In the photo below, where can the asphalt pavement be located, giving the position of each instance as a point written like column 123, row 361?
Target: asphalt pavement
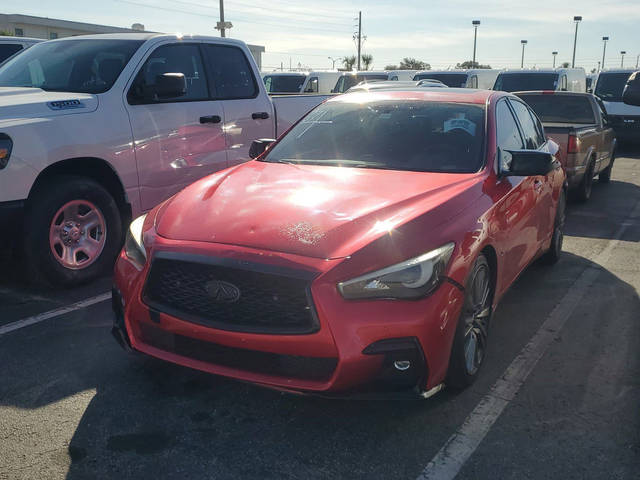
column 558, row 397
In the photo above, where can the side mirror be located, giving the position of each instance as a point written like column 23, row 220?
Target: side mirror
column 526, row 163
column 169, row 85
column 589, row 90
column 631, row 93
column 258, row 147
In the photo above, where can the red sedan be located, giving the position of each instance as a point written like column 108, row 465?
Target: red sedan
column 364, row 250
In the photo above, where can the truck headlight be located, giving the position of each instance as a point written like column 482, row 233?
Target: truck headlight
column 413, row 278
column 6, row 145
column 133, row 245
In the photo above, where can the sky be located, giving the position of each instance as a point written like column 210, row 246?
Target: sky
column 437, row 32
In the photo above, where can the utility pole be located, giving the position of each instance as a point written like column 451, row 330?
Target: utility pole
column 359, row 37
column 222, row 25
column 604, row 49
column 475, row 24
column 554, row 58
column 622, row 54
column 576, row 19
column 523, row 42
column 637, row 61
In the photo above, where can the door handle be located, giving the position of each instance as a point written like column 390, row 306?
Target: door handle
column 537, row 186
column 210, row 119
column 260, row 115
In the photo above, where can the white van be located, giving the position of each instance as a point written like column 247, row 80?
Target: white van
column 560, row 79
column 12, row 45
column 321, row 82
column 349, row 79
column 482, row 78
column 402, row 75
column 625, row 119
column 284, row 82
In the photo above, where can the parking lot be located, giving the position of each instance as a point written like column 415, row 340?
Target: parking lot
column 558, row 397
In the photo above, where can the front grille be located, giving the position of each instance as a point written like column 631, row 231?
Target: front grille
column 288, row 366
column 269, row 299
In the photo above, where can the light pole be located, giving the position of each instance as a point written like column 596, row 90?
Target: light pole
column 554, row 58
column 637, row 60
column 576, row 19
column 622, row 54
column 334, row 60
column 475, row 24
column 604, row 49
column 523, row 42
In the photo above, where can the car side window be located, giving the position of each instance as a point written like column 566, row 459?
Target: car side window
column 312, row 85
column 507, row 134
column 176, row 58
column 531, row 140
column 539, row 129
column 230, row 73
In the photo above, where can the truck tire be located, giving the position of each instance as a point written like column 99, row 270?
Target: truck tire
column 605, row 175
column 552, row 255
column 73, row 231
column 583, row 192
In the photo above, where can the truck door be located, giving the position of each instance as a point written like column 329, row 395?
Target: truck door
column 177, row 139
column 248, row 113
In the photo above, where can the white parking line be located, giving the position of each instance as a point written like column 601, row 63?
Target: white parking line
column 461, row 445
column 25, row 322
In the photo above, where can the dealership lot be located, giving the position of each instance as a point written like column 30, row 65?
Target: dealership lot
column 74, row 405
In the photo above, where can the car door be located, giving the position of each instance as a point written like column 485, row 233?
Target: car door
column 542, row 185
column 516, row 209
column 248, row 115
column 178, row 139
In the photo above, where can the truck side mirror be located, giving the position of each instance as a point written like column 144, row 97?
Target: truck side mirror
column 169, row 85
column 259, row 146
column 631, row 93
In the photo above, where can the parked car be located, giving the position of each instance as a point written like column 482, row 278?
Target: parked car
column 102, row 128
column 350, row 79
column 624, row 118
column 321, row 82
column 482, row 78
column 401, row 75
column 284, row 82
column 395, row 85
column 9, row 46
column 367, row 248
column 578, row 123
column 561, row 79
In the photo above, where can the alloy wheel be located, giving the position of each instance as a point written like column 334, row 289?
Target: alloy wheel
column 477, row 315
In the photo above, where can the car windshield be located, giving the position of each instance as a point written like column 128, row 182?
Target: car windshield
column 395, row 135
column 81, row 66
column 609, row 86
column 455, row 80
column 561, row 108
column 284, row 83
column 518, row 82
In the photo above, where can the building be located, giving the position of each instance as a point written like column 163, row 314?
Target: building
column 51, row 28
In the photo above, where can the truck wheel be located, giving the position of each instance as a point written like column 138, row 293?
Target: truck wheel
column 73, row 231
column 470, row 340
column 583, row 192
column 605, row 175
column 552, row 255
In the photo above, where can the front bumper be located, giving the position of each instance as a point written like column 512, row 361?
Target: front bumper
column 355, row 349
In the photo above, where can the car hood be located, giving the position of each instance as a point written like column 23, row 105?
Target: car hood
column 23, row 102
column 310, row 210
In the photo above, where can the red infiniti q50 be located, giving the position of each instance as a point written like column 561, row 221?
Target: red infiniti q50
column 365, row 250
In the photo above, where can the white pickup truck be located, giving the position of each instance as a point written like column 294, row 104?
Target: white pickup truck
column 96, row 129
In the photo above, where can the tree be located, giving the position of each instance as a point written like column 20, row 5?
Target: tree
column 391, row 67
column 566, row 64
column 471, row 64
column 349, row 62
column 409, row 63
column 5, row 33
column 367, row 60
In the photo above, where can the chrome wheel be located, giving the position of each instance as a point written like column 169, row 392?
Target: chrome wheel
column 77, row 234
column 476, row 318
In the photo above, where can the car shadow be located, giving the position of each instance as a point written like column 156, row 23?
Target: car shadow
column 151, row 419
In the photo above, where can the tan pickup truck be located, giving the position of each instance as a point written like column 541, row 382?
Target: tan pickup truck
column 578, row 123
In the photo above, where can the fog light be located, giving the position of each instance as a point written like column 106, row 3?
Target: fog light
column 402, row 365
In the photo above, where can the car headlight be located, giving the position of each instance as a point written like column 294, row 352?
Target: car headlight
column 133, row 245
column 413, row 278
column 6, row 145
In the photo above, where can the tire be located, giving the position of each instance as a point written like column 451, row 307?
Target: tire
column 605, row 175
column 473, row 327
column 583, row 192
column 73, row 231
column 552, row 255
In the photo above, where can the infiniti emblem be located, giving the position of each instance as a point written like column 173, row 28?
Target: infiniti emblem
column 222, row 292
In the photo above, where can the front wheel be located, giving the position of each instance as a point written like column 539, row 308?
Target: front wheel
column 470, row 341
column 73, row 231
column 555, row 249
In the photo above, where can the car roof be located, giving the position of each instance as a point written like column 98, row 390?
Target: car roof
column 455, row 95
column 148, row 36
column 9, row 39
column 553, row 92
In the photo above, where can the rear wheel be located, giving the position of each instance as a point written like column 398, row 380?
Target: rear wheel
column 470, row 341
column 553, row 254
column 73, row 231
column 583, row 192
column 605, row 175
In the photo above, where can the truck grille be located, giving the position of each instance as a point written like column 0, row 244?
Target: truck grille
column 231, row 295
